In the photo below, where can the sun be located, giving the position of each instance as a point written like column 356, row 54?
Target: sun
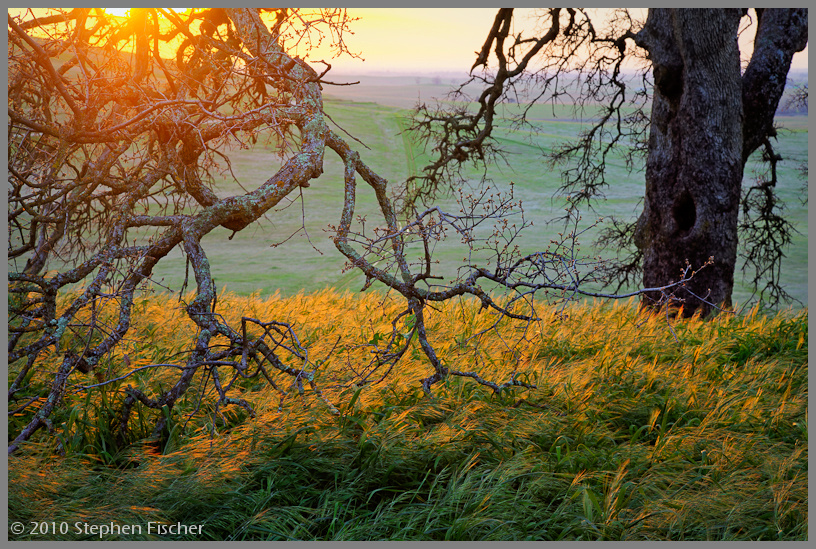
column 119, row 12
column 125, row 12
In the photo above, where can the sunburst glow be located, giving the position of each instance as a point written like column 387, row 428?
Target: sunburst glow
column 119, row 12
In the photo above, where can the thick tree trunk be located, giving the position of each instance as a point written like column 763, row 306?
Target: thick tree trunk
column 695, row 161
column 706, row 121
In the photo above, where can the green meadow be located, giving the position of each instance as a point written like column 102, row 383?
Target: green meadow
column 251, row 261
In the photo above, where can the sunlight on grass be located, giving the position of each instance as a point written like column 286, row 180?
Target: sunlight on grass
column 629, row 435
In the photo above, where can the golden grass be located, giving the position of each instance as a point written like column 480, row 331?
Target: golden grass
column 643, row 436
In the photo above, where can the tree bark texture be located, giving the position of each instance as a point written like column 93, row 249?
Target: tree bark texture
column 700, row 137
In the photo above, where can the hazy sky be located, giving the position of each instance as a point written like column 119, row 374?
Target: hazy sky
column 410, row 40
column 405, row 40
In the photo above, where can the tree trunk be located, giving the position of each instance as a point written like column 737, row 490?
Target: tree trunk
column 695, row 161
column 706, row 121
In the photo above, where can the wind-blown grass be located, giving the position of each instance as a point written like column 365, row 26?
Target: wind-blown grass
column 630, row 434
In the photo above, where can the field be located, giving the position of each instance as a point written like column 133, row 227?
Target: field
column 249, row 263
column 629, row 435
column 639, row 427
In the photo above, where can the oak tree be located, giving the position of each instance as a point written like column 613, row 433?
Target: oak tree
column 696, row 117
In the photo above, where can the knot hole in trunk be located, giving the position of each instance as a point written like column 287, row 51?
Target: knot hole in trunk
column 684, row 212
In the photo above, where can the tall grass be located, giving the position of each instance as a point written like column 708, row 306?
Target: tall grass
column 630, row 434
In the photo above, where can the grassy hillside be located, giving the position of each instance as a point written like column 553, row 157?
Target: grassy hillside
column 250, row 262
column 630, row 434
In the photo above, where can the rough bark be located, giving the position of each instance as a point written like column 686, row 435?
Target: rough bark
column 706, row 119
column 780, row 34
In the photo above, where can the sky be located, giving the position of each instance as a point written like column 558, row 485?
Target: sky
column 416, row 40
column 428, row 40
column 412, row 41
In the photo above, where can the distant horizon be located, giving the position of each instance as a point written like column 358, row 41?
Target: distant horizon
column 420, row 42
column 441, row 72
column 450, row 73
column 408, row 41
